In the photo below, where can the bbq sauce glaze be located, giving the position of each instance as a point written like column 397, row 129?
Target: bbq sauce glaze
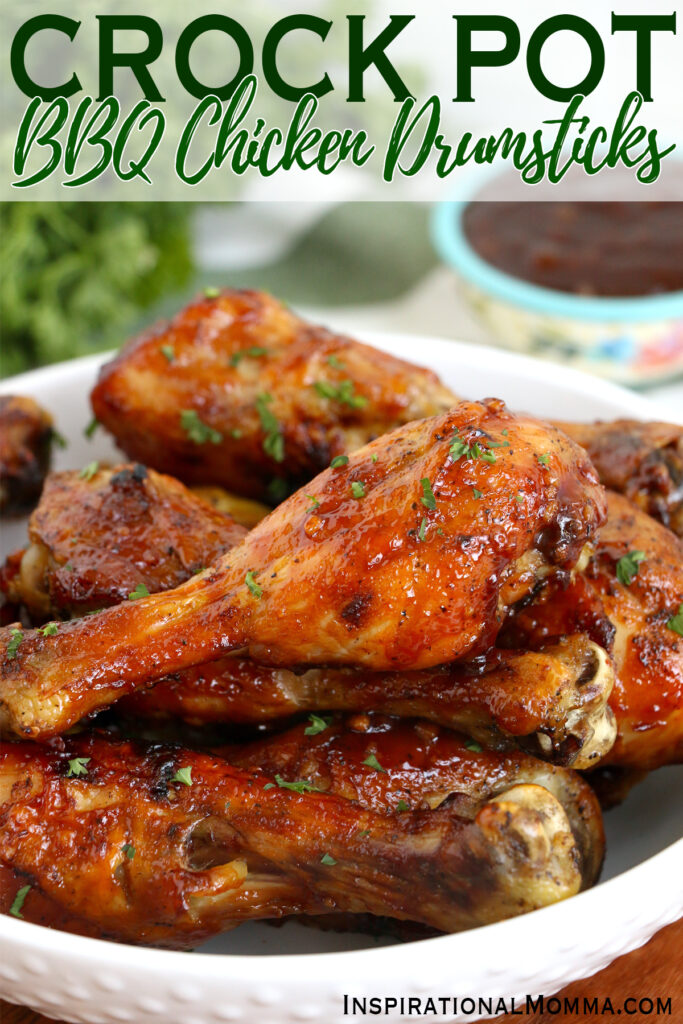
column 598, row 248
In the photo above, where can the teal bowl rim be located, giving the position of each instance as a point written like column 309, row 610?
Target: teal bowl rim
column 451, row 244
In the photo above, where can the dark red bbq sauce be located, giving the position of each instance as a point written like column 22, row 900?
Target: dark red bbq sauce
column 607, row 249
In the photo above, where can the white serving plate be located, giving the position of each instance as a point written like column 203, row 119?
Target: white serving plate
column 258, row 974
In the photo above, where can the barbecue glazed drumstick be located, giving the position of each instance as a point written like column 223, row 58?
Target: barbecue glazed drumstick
column 238, row 391
column 639, row 621
column 96, row 537
column 643, row 461
column 552, row 702
column 390, row 559
column 26, row 437
column 166, row 846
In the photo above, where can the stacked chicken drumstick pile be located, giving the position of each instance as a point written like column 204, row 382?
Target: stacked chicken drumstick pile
column 382, row 695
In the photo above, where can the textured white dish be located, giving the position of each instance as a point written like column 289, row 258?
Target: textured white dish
column 305, row 973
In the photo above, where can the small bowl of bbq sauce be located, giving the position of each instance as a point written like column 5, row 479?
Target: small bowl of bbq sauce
column 597, row 285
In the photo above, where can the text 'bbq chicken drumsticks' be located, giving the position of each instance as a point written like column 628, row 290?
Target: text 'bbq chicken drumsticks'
column 408, row 553
column 100, row 535
column 630, row 599
column 551, row 702
column 240, row 392
column 167, row 846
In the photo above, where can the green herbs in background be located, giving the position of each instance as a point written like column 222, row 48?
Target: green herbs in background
column 77, row 276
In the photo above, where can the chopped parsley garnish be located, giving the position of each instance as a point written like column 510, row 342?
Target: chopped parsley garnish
column 69, row 567
column 333, row 361
column 318, row 724
column 197, row 430
column 140, row 591
column 88, row 472
column 326, row 859
column 374, row 456
column 343, row 392
column 474, row 746
column 627, row 566
column 363, row 833
column 477, row 494
column 250, row 580
column 314, row 502
column 402, row 806
column 519, row 497
column 299, row 786
column 423, row 529
column 16, row 637
column 236, row 433
column 18, row 902
column 358, row 489
column 91, row 428
column 544, row 459
column 58, row 439
column 77, row 767
column 183, row 775
column 428, row 499
column 675, row 623
column 129, row 850
column 255, row 352
column 460, row 449
column 168, row 352
column 504, row 432
column 273, row 442
column 51, row 629
column 339, row 460
column 211, row 292
column 372, row 762
column 277, row 490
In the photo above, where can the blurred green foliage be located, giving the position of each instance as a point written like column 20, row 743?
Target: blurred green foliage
column 74, row 276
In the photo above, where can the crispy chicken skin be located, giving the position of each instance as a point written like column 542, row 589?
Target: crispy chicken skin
column 128, row 847
column 26, row 436
column 96, row 538
column 643, row 461
column 553, row 702
column 414, row 572
column 634, row 623
column 280, row 397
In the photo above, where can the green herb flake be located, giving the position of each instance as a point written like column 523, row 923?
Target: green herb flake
column 333, row 361
column 255, row 352
column 421, row 533
column 51, row 629
column 402, row 806
column 363, row 833
column 477, row 494
column 18, row 902
column 88, row 472
column 77, row 767
column 277, row 490
column 329, row 861
column 358, row 489
column 236, row 433
column 474, row 746
column 69, row 567
column 211, row 292
column 339, row 460
column 505, row 432
column 374, row 456
column 344, row 393
column 627, row 567
column 250, row 580
column 519, row 498
column 58, row 439
column 428, row 499
column 273, row 442
column 168, row 352
column 91, row 428
column 314, row 502
column 196, row 430
column 675, row 623
column 129, row 850
column 140, row 591
column 372, row 762
column 544, row 459
column 183, row 775
column 16, row 638
column 318, row 725
column 298, row 786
